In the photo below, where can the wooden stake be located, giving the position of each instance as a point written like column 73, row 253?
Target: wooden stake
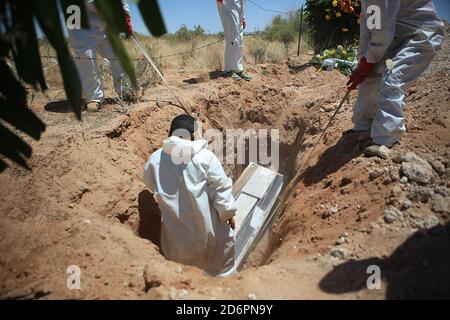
column 300, row 32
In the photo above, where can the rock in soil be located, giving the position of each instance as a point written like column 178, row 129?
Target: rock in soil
column 440, row 204
column 340, row 253
column 391, row 214
column 416, row 169
column 419, row 193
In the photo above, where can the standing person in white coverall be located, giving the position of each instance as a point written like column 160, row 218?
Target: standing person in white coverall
column 196, row 201
column 233, row 21
column 85, row 43
column 411, row 32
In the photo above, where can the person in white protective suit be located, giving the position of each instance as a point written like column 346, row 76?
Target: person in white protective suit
column 231, row 14
column 411, row 32
column 85, row 43
column 195, row 198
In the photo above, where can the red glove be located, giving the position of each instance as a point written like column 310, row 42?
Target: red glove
column 244, row 23
column 129, row 26
column 360, row 74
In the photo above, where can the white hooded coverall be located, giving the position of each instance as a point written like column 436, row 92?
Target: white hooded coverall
column 231, row 14
column 85, row 43
column 411, row 33
column 195, row 199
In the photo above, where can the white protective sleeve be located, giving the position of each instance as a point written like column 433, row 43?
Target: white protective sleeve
column 220, row 189
column 380, row 39
column 148, row 177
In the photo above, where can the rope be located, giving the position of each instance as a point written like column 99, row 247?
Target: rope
column 345, row 98
column 268, row 10
column 147, row 56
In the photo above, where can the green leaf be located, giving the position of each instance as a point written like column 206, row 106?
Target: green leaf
column 114, row 16
column 48, row 18
column 13, row 105
column 122, row 54
column 153, row 19
column 25, row 46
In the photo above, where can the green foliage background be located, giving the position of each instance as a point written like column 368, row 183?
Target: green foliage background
column 285, row 29
column 184, row 34
column 325, row 34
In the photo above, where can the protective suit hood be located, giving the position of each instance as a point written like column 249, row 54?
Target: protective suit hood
column 181, row 149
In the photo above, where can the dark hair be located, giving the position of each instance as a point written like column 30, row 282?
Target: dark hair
column 183, row 124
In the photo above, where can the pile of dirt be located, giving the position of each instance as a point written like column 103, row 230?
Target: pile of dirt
column 84, row 203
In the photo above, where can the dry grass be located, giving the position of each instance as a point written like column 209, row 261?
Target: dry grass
column 257, row 50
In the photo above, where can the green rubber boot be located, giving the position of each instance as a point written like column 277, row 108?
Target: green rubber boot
column 244, row 76
column 231, row 74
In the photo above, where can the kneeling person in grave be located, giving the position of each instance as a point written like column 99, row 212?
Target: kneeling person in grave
column 195, row 197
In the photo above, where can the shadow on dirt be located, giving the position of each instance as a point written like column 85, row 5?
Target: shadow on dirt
column 149, row 218
column 418, row 269
column 213, row 75
column 61, row 106
column 296, row 67
column 334, row 158
column 330, row 161
column 32, row 295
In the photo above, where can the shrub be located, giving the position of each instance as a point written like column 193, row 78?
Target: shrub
column 281, row 29
column 186, row 34
column 285, row 30
column 257, row 48
column 262, row 50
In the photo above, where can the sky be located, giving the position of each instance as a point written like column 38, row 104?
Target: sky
column 204, row 13
column 443, row 8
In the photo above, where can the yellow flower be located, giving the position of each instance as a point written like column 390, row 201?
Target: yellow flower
column 328, row 17
column 334, row 3
column 344, row 53
column 338, row 14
